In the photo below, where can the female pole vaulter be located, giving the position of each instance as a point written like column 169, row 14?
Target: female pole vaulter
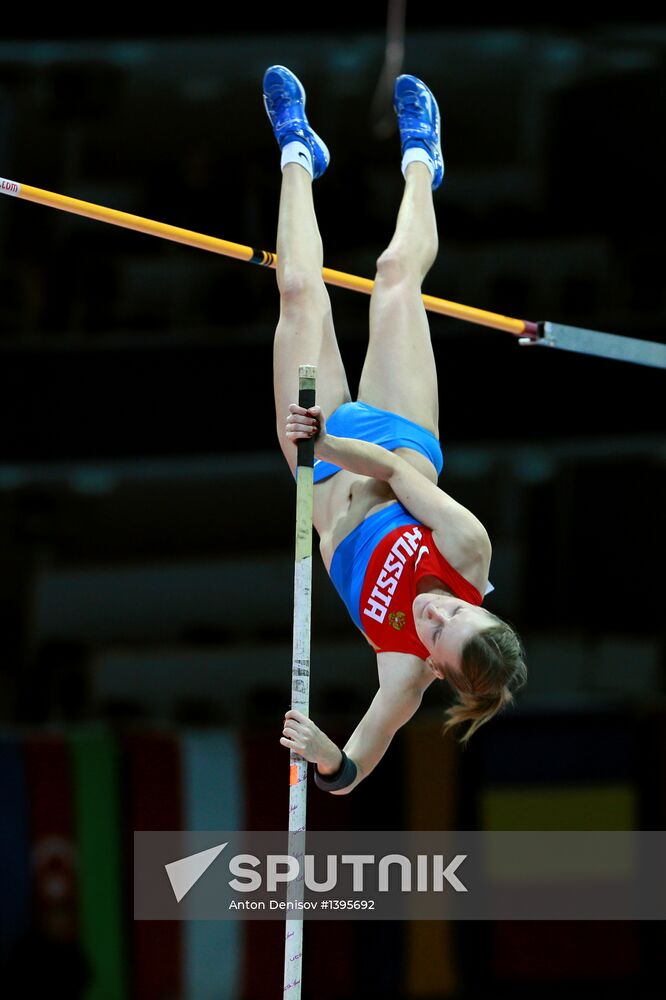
column 410, row 563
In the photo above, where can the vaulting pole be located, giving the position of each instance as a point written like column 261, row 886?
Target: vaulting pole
column 300, row 682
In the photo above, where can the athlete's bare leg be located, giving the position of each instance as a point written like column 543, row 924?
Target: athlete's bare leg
column 399, row 373
column 305, row 332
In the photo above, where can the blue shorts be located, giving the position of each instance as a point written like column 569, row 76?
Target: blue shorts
column 351, row 558
column 366, row 423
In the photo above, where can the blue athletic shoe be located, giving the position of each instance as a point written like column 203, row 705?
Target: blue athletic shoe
column 419, row 121
column 284, row 100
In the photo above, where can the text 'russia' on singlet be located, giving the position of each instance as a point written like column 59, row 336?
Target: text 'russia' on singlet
column 403, row 557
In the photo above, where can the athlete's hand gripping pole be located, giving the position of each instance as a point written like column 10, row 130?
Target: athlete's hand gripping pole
column 300, row 680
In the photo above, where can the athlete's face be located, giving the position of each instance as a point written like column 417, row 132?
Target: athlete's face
column 444, row 623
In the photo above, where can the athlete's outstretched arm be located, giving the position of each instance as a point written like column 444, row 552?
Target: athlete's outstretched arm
column 390, row 709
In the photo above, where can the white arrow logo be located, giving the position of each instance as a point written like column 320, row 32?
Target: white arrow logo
column 185, row 872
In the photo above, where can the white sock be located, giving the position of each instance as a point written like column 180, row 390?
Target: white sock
column 297, row 152
column 417, row 154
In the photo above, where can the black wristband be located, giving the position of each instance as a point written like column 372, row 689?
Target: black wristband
column 344, row 776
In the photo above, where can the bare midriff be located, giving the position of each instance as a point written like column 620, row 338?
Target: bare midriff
column 346, row 499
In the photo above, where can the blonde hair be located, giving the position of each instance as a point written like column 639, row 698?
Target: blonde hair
column 492, row 668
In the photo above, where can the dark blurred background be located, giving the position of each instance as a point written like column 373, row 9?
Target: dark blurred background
column 147, row 532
